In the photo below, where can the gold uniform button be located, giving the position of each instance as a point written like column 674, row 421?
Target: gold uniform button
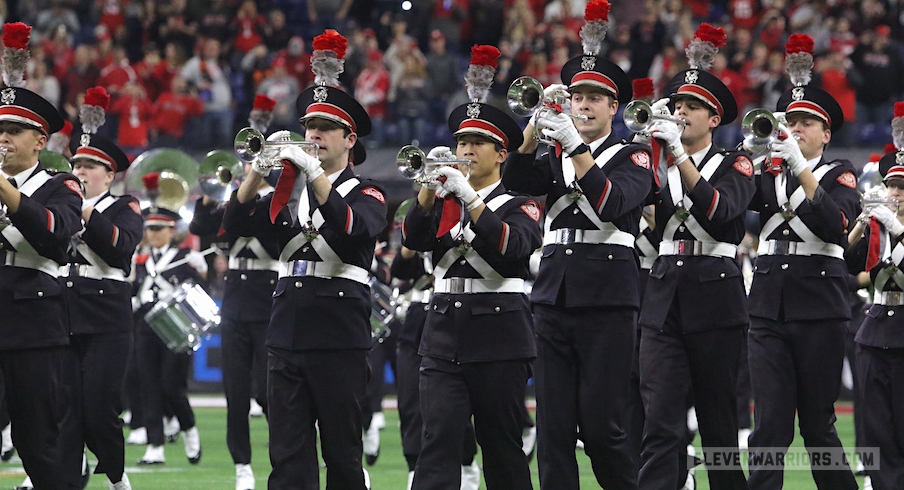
column 298, row 284
column 497, row 309
column 68, row 284
column 272, row 281
column 679, row 263
column 569, row 251
column 243, row 277
column 40, row 294
column 786, row 232
column 458, row 304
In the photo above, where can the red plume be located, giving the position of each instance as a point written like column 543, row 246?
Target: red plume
column 97, row 96
column 799, row 43
column 264, row 103
column 875, row 157
column 331, row 40
column 485, row 55
column 707, row 33
column 899, row 109
column 890, row 148
column 642, row 87
column 597, row 10
column 67, row 129
column 16, row 35
column 151, row 181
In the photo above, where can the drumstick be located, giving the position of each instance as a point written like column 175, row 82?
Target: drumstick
column 184, row 260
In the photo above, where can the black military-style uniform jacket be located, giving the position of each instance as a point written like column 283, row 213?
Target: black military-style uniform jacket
column 796, row 287
column 149, row 290
column 710, row 289
column 30, row 299
column 101, row 303
column 882, row 324
column 487, row 326
column 248, row 294
column 311, row 313
column 616, row 192
column 411, row 271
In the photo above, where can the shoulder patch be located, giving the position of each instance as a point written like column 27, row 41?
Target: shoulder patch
column 135, row 207
column 531, row 209
column 75, row 187
column 641, row 159
column 374, row 193
column 743, row 165
column 847, row 179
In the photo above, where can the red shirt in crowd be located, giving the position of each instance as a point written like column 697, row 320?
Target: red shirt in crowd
column 835, row 82
column 248, row 32
column 134, row 114
column 172, row 111
column 116, row 75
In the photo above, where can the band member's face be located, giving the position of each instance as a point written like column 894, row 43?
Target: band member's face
column 698, row 119
column 485, row 160
column 331, row 137
column 896, row 192
column 811, row 134
column 22, row 145
column 598, row 106
column 159, row 236
column 95, row 177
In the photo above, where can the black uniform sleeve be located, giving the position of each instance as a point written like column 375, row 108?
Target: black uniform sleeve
column 622, row 189
column 49, row 227
column 248, row 219
column 528, row 175
column 855, row 257
column 361, row 214
column 207, row 219
column 117, row 236
column 512, row 235
column 406, row 269
column 729, row 197
column 419, row 228
column 832, row 211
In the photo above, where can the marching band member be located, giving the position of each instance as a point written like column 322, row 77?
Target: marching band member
column 326, row 225
column 244, row 316
column 163, row 373
column 98, row 298
column 586, row 329
column 798, row 301
column 477, row 341
column 42, row 213
column 694, row 311
column 880, row 345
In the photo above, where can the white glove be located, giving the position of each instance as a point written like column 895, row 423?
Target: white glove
column 788, row 150
column 196, row 260
column 550, row 92
column 256, row 166
column 306, row 163
column 661, row 107
column 559, row 127
column 283, row 135
column 889, row 219
column 456, row 183
column 670, row 134
column 440, row 152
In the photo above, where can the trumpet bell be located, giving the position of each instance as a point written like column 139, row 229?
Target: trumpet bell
column 249, row 144
column 219, row 174
column 759, row 128
column 638, row 115
column 525, row 96
column 410, row 161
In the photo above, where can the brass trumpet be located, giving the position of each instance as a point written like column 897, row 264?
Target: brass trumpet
column 639, row 116
column 250, row 145
column 414, row 164
column 760, row 128
column 525, row 97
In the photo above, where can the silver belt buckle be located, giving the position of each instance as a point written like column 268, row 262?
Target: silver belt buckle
column 458, row 285
column 685, row 247
column 566, row 236
column 302, row 268
column 893, row 298
column 784, row 247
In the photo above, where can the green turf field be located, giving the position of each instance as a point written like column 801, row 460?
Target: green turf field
column 216, row 470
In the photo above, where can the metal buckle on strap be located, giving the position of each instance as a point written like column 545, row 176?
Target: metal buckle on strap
column 301, row 267
column 91, row 272
column 252, row 264
column 468, row 285
column 889, row 298
column 781, row 247
column 687, row 247
column 568, row 236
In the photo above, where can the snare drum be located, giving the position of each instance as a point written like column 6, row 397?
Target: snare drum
column 382, row 309
column 183, row 316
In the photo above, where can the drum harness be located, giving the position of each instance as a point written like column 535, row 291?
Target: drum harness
column 811, row 244
column 24, row 254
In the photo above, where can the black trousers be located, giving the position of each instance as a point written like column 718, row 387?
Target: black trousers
column 164, row 381
column 94, row 375
column 34, row 396
column 582, row 374
column 326, row 387
column 244, row 366
column 796, row 365
column 881, row 387
column 493, row 392
column 670, row 362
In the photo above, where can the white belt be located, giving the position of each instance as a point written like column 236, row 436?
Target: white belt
column 647, row 262
column 888, row 298
column 787, row 247
column 567, row 236
column 31, row 261
column 420, row 296
column 697, row 247
column 252, row 264
column 467, row 285
column 91, row 272
column 326, row 270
